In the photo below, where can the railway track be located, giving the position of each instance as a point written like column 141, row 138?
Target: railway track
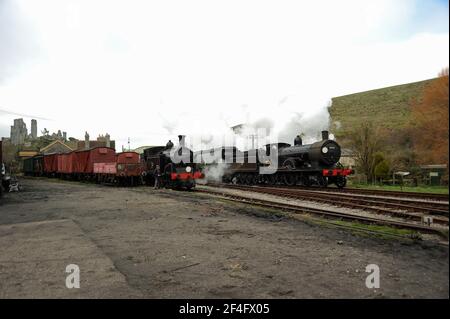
column 429, row 196
column 361, row 191
column 377, row 192
column 328, row 213
column 386, row 206
column 402, row 207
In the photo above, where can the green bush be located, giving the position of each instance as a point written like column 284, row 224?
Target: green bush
column 382, row 169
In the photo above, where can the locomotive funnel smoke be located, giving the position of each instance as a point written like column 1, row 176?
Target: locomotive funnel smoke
column 307, row 124
column 293, row 115
column 214, row 173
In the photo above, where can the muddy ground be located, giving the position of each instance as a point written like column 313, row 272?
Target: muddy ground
column 140, row 242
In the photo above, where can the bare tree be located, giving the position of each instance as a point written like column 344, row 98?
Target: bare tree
column 365, row 142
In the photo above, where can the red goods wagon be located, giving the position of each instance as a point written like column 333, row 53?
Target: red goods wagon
column 129, row 164
column 129, row 168
column 84, row 160
column 105, row 168
column 66, row 163
column 50, row 164
column 128, row 158
column 80, row 161
column 60, row 163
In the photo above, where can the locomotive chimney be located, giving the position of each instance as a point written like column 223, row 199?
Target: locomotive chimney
column 298, row 141
column 181, row 139
column 325, row 135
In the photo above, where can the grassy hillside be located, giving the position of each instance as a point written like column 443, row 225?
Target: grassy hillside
column 387, row 107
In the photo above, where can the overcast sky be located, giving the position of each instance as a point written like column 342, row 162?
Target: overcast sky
column 149, row 70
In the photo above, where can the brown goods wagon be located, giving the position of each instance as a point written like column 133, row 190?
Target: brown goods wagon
column 105, row 168
column 66, row 163
column 128, row 158
column 129, row 164
column 50, row 163
column 84, row 160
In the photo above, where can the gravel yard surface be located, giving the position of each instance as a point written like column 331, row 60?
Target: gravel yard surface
column 140, row 242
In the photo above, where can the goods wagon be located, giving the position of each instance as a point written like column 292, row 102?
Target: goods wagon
column 50, row 164
column 129, row 168
column 66, row 164
column 38, row 165
column 28, row 166
column 84, row 160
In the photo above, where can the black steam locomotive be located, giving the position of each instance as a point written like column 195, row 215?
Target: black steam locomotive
column 300, row 164
column 172, row 165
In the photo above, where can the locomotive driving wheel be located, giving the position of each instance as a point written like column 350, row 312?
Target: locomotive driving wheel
column 322, row 181
column 289, row 179
column 249, row 179
column 341, row 181
column 272, row 179
column 165, row 180
column 306, row 181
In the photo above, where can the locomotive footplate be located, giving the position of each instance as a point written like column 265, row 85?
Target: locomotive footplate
column 186, row 176
column 337, row 172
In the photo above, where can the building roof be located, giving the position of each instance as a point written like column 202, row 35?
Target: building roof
column 93, row 148
column 28, row 153
column 93, row 144
column 58, row 146
column 434, row 166
column 141, row 149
